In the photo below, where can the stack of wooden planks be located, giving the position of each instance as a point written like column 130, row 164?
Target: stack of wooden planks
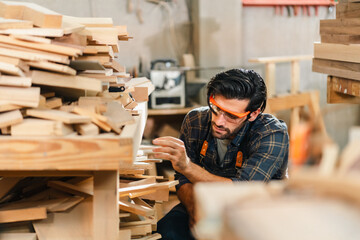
column 60, row 78
column 338, row 53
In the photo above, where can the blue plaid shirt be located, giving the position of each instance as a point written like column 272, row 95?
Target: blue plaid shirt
column 264, row 144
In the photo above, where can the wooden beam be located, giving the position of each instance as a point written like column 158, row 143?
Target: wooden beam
column 20, row 215
column 10, row 118
column 28, row 97
column 58, row 115
column 59, row 80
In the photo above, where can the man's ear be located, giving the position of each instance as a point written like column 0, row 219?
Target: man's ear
column 253, row 115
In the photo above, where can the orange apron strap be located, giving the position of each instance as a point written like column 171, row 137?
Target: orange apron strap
column 204, row 148
column 239, row 159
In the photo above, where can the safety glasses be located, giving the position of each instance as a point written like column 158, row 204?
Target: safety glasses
column 229, row 115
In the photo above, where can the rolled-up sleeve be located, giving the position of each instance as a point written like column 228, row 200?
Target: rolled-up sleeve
column 268, row 154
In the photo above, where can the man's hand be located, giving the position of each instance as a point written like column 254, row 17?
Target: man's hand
column 172, row 149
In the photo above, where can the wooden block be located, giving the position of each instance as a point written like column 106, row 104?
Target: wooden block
column 70, row 188
column 40, row 127
column 337, row 68
column 52, row 67
column 18, row 236
column 102, row 35
column 54, row 102
column 10, row 118
column 14, row 23
column 33, row 55
column 20, row 215
column 339, row 52
column 41, row 46
column 11, row 69
column 99, row 48
column 116, row 66
column 336, row 97
column 15, row 81
column 40, row 32
column 58, row 80
column 58, row 115
column 87, row 129
column 28, row 97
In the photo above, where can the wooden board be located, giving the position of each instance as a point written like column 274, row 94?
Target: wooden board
column 54, row 102
column 20, row 215
column 346, row 86
column 337, row 68
column 73, row 153
column 40, row 127
column 11, row 69
column 137, row 209
column 15, row 61
column 81, row 65
column 70, row 188
column 58, row 115
column 15, row 81
column 117, row 116
column 6, row 184
column 88, row 129
column 102, row 59
column 18, row 236
column 340, row 38
column 28, row 97
column 52, row 67
column 10, row 118
column 14, row 23
column 102, row 35
column 90, row 22
column 41, row 46
column 41, row 32
column 59, row 80
column 98, row 119
column 32, row 38
column 339, row 52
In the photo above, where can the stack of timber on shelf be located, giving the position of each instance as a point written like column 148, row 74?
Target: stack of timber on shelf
column 71, row 122
column 338, row 53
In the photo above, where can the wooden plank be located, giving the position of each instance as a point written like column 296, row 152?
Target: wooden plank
column 90, row 22
column 106, row 208
column 81, row 65
column 40, row 32
column 15, row 61
column 340, row 38
column 19, row 215
column 337, row 68
column 28, row 97
column 286, row 102
column 65, row 225
column 11, row 69
column 102, row 59
column 41, row 46
column 59, row 80
column 10, row 118
column 336, row 97
column 102, row 35
column 32, row 38
column 6, row 106
column 18, row 236
column 66, row 205
column 58, row 115
column 54, row 102
column 88, row 129
column 137, row 209
column 14, row 23
column 339, row 52
column 280, row 59
column 15, row 81
column 65, row 153
column 40, row 127
column 52, row 67
column 98, row 119
column 33, row 55
column 69, row 188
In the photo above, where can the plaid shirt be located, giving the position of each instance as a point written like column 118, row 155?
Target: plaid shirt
column 264, row 144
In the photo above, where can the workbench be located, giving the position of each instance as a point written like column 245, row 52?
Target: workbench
column 101, row 157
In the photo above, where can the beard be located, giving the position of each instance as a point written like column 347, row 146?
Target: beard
column 228, row 134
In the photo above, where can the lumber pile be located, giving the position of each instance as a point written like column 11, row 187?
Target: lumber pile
column 60, row 78
column 338, row 53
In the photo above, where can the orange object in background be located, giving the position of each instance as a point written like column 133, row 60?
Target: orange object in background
column 299, row 143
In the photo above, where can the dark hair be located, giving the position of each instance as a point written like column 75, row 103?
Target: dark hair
column 239, row 84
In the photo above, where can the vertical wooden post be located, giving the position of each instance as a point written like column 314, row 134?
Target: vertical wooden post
column 106, row 205
column 295, row 82
column 270, row 69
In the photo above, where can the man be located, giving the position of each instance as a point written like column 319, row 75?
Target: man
column 230, row 140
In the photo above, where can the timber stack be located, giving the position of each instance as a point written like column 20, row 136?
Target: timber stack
column 60, row 78
column 338, row 53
